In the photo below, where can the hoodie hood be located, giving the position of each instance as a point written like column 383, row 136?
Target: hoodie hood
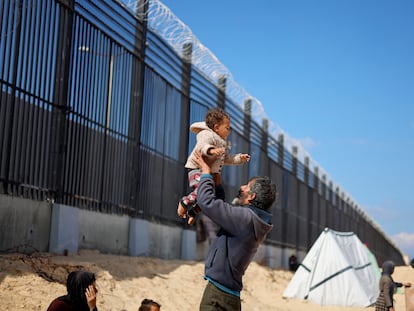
column 264, row 215
column 197, row 127
column 262, row 226
column 388, row 267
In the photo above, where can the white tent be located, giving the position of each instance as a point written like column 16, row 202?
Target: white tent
column 338, row 271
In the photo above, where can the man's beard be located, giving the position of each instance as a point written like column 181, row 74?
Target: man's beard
column 236, row 200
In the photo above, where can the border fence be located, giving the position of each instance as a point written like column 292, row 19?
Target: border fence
column 95, row 111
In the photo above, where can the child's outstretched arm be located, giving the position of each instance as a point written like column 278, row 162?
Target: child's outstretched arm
column 237, row 159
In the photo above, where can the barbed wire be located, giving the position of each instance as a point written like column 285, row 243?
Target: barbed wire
column 162, row 21
column 168, row 26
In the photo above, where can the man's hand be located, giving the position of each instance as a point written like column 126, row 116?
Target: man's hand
column 216, row 151
column 182, row 213
column 201, row 162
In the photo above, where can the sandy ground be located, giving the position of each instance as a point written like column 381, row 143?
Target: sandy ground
column 32, row 282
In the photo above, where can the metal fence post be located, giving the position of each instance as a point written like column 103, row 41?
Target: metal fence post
column 58, row 135
column 295, row 161
column 221, row 96
column 247, row 118
column 187, row 52
column 265, row 135
column 309, row 198
column 8, row 126
column 136, row 103
column 297, row 192
column 280, row 150
column 329, row 211
column 185, row 98
column 316, row 208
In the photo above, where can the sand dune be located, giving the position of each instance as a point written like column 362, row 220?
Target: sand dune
column 32, row 282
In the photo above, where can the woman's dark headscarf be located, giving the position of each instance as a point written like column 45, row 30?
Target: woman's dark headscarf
column 388, row 267
column 76, row 285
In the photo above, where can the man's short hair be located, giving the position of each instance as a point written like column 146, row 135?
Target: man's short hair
column 265, row 192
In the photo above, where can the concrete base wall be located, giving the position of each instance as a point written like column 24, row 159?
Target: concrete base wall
column 188, row 245
column 64, row 229
column 113, row 234
column 167, row 242
column 139, row 238
column 24, row 224
column 27, row 226
column 105, row 232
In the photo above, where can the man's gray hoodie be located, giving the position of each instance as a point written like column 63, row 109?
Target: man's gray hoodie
column 242, row 231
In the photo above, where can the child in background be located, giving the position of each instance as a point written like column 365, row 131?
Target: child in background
column 149, row 305
column 211, row 142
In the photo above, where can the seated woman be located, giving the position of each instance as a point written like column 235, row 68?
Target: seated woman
column 81, row 296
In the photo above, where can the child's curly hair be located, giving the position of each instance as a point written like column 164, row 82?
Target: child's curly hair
column 215, row 116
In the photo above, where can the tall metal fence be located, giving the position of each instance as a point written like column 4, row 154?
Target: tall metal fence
column 95, row 111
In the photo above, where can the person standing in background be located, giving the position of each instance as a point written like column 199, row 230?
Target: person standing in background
column 387, row 286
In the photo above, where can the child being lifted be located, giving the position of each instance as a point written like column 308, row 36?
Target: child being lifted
column 211, row 142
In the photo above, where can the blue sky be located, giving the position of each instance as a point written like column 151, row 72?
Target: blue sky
column 336, row 75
